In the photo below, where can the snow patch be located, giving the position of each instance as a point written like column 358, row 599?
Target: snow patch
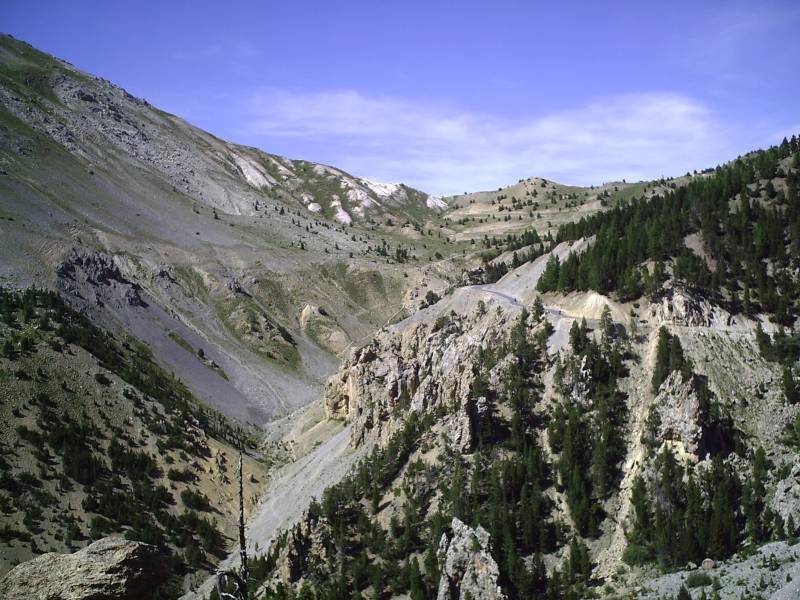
column 306, row 198
column 314, row 207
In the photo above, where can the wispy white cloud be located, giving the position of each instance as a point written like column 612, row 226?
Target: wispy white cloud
column 446, row 150
column 741, row 42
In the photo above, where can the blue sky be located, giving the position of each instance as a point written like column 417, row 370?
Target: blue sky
column 452, row 96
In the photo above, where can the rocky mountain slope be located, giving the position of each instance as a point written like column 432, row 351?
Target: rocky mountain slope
column 226, row 245
column 597, row 439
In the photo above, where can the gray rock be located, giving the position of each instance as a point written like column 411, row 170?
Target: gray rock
column 575, row 379
column 416, row 367
column 678, row 408
column 133, row 297
column 677, row 306
column 108, row 568
column 772, row 571
column 474, row 276
column 468, row 569
column 786, row 500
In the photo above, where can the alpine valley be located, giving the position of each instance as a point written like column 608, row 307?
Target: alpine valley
column 541, row 391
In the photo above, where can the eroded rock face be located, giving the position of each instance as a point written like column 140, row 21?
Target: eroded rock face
column 786, row 501
column 95, row 266
column 110, row 568
column 678, row 306
column 295, row 553
column 678, row 409
column 320, row 326
column 417, row 368
column 474, row 276
column 97, row 278
column 468, row 569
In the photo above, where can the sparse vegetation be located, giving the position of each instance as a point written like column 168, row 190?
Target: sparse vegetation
column 90, row 451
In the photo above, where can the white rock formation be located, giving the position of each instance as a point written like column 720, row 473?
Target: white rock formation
column 468, row 569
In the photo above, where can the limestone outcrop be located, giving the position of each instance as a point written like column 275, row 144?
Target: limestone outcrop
column 678, row 410
column 679, row 307
column 467, row 567
column 417, row 367
column 786, row 501
column 110, row 568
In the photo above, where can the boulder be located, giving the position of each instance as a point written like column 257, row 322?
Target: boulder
column 110, row 568
column 468, row 569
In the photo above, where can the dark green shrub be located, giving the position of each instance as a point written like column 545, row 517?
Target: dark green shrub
column 698, row 579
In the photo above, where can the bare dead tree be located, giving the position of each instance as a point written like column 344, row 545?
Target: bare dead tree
column 239, row 580
column 242, row 541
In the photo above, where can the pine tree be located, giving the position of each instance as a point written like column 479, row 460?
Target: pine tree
column 538, row 308
column 607, row 323
column 661, row 369
column 639, row 501
column 601, row 455
column 692, row 535
column 548, row 281
column 416, row 584
column 8, row 349
column 790, row 387
column 753, row 497
column 676, row 359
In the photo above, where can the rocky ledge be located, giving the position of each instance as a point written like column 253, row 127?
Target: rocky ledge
column 110, row 568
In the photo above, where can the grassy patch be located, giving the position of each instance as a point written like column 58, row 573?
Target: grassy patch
column 191, row 281
column 245, row 320
column 181, row 341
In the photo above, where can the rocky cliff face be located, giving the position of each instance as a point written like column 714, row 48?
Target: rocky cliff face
column 429, row 361
column 110, row 568
column 677, row 407
column 82, row 272
column 416, row 367
column 467, row 567
column 786, row 500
